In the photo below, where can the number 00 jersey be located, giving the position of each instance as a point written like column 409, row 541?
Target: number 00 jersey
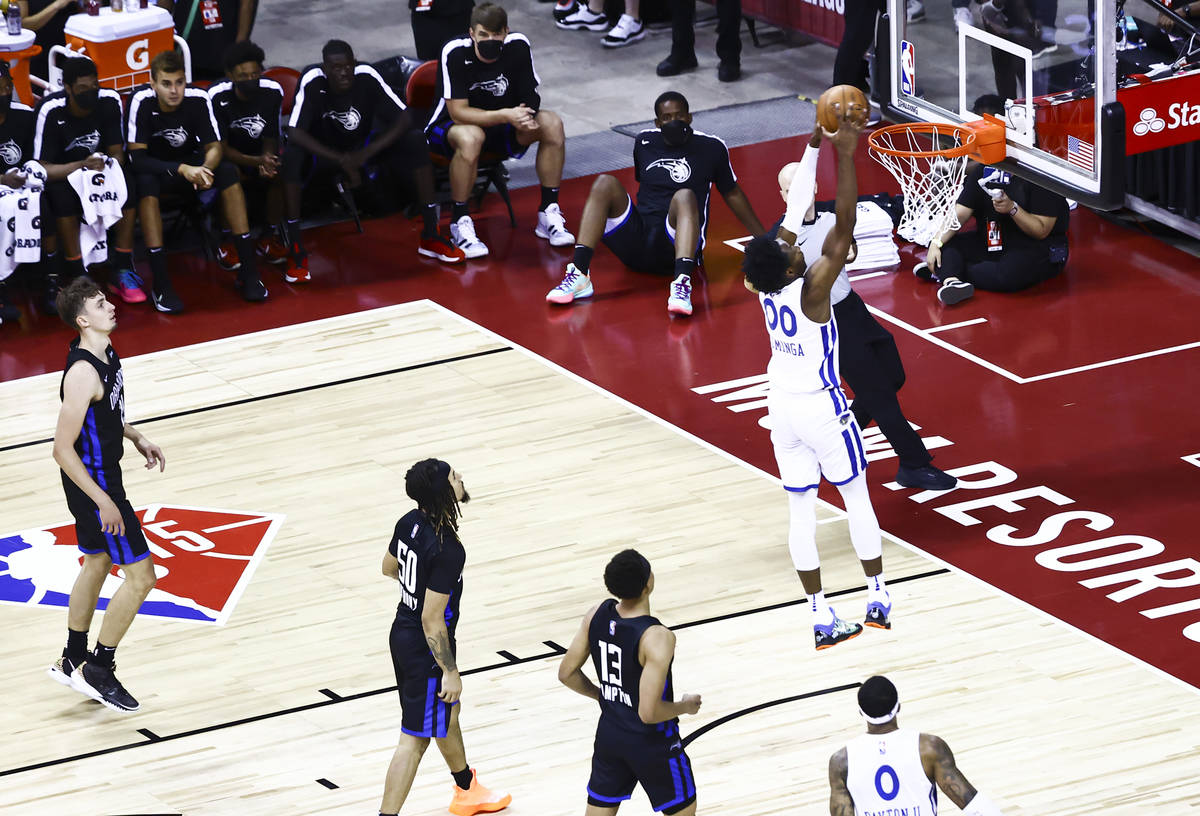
column 885, row 777
column 426, row 563
column 614, row 644
column 803, row 353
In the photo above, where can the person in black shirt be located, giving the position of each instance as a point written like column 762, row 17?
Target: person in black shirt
column 16, row 141
column 426, row 557
column 48, row 19
column 676, row 168
column 174, row 147
column 211, row 26
column 1020, row 238
column 489, row 104
column 75, row 128
column 248, row 107
column 436, row 21
column 637, row 736
column 88, row 444
column 346, row 120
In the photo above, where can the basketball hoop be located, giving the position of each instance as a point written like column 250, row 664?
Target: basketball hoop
column 929, row 161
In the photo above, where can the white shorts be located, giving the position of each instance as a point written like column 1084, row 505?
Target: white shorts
column 814, row 435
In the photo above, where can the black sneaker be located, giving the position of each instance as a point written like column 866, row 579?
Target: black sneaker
column 955, row 291
column 8, row 312
column 49, row 301
column 923, row 272
column 252, row 290
column 101, row 684
column 925, row 478
column 836, row 632
column 878, row 615
column 165, row 300
column 673, row 66
column 729, row 71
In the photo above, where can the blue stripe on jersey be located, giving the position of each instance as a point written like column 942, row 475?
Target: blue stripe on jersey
column 430, row 705
column 800, row 489
column 688, row 777
column 94, row 464
column 676, row 777
column 825, row 351
column 613, row 799
column 862, row 457
column 850, row 453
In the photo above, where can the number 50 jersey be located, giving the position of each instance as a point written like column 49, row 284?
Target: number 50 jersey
column 427, row 561
column 614, row 644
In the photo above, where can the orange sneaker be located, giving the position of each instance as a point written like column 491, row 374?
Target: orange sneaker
column 227, row 257
column 296, row 270
column 477, row 799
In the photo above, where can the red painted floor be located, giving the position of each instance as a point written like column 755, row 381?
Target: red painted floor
column 1103, row 445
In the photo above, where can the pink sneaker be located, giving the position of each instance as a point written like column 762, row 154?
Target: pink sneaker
column 128, row 286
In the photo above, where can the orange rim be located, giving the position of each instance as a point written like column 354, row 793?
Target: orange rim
column 966, row 139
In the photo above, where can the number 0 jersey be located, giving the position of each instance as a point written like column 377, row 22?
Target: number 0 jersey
column 885, row 776
column 614, row 641
column 427, row 561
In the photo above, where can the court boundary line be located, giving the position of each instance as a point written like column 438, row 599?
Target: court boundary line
column 795, row 698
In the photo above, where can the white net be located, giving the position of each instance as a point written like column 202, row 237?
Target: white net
column 930, row 181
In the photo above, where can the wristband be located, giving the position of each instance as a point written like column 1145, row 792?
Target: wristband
column 1013, row 211
column 936, row 242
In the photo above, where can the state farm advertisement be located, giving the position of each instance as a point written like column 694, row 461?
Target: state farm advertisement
column 1163, row 113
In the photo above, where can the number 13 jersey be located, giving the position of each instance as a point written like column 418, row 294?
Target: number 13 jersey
column 614, row 644
column 885, row 776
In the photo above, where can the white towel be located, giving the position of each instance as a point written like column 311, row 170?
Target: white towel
column 102, row 194
column 873, row 234
column 20, row 214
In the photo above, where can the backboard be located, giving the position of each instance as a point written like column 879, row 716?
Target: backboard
column 1039, row 65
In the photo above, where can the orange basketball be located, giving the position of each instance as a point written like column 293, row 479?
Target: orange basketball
column 839, row 99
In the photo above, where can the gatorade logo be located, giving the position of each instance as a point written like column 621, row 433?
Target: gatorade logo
column 137, row 55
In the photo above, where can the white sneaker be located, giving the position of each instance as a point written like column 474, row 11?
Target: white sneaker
column 462, row 233
column 680, row 301
column 963, row 16
column 575, row 285
column 583, row 18
column 553, row 227
column 627, row 31
column 915, row 11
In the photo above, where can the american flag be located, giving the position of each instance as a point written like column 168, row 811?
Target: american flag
column 1081, row 154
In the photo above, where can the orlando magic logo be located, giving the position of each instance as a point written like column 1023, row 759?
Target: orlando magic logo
column 88, row 141
column 10, row 153
column 253, row 125
column 348, row 119
column 679, row 169
column 175, row 137
column 496, row 87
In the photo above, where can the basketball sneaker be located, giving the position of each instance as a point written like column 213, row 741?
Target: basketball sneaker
column 165, row 299
column 129, row 286
column 835, row 632
column 582, row 19
column 296, row 270
column 252, row 289
column 564, row 9
column 553, row 227
column 60, row 671
column 440, row 248
column 955, row 291
column 923, row 272
column 924, row 478
column 627, row 31
column 462, row 235
column 477, row 799
column 101, row 684
column 878, row 614
column 271, row 250
column 575, row 286
column 680, row 301
column 915, row 11
column 227, row 257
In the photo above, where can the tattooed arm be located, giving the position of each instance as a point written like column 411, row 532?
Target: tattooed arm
column 433, row 622
column 840, row 803
column 939, row 764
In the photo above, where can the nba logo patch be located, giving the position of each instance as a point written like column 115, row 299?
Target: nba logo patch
column 908, row 68
column 204, row 560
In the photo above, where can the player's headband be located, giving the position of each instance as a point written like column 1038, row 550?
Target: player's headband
column 885, row 718
column 443, row 471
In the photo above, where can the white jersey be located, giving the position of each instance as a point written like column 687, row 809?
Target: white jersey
column 803, row 353
column 885, row 777
column 811, row 239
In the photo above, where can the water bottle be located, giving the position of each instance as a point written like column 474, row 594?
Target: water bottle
column 13, row 18
column 143, row 4
column 117, row 5
column 93, row 8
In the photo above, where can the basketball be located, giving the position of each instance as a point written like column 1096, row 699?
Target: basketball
column 841, row 98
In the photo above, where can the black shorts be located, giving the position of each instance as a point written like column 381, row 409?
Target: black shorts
column 419, row 679
column 655, row 760
column 122, row 549
column 156, row 185
column 497, row 140
column 644, row 244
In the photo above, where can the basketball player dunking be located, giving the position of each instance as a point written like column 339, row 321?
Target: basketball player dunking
column 88, row 443
column 813, row 431
column 426, row 557
column 637, row 737
column 890, row 769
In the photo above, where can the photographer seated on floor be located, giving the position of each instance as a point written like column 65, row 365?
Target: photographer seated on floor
column 1019, row 240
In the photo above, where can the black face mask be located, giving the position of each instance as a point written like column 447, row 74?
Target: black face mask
column 88, row 100
column 676, row 132
column 247, row 88
column 490, row 49
column 5, row 104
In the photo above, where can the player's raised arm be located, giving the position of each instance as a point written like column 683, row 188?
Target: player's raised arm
column 824, row 271
column 840, row 803
column 570, row 668
column 657, row 649
column 798, row 181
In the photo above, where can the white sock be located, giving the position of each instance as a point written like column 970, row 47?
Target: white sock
column 822, row 614
column 877, row 589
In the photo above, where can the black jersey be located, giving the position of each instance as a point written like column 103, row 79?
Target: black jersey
column 51, row 33
column 662, row 171
column 177, row 135
column 427, row 561
column 214, row 27
column 16, row 137
column 613, row 641
column 101, row 440
column 505, row 83
column 1027, row 195
column 243, row 125
column 344, row 121
column 60, row 137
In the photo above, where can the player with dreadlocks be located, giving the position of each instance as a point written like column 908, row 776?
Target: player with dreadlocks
column 426, row 557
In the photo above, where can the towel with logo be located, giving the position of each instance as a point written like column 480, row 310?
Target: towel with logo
column 20, row 212
column 102, row 194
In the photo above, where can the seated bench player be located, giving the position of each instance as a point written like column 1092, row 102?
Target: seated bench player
column 175, row 150
column 16, row 148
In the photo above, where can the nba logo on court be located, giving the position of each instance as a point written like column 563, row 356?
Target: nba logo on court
column 203, row 558
column 908, row 68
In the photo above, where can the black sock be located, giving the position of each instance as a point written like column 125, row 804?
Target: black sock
column 549, row 196
column 462, row 778
column 226, row 236
column 103, row 655
column 246, row 254
column 295, row 244
column 158, row 268
column 458, row 210
column 75, row 267
column 685, row 266
column 122, row 258
column 583, row 258
column 429, row 218
column 76, row 650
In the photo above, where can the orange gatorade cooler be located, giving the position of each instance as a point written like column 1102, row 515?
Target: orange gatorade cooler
column 122, row 43
column 16, row 51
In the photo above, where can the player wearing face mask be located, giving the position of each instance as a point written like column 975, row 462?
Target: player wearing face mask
column 676, row 168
